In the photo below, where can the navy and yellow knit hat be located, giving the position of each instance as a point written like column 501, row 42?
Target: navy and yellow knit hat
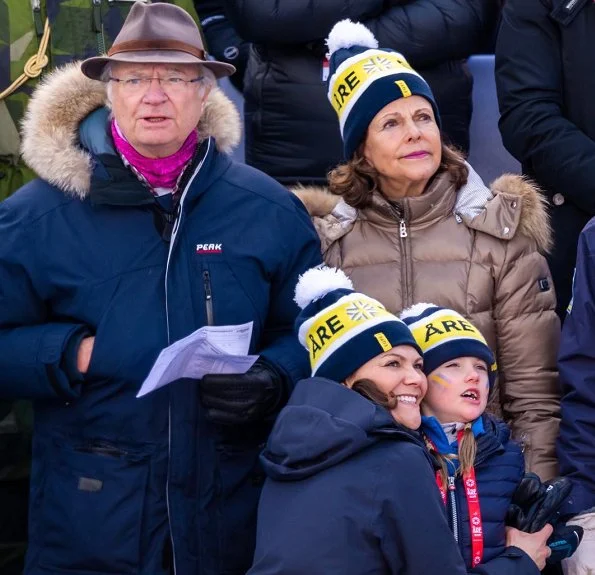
column 340, row 328
column 444, row 334
column 364, row 78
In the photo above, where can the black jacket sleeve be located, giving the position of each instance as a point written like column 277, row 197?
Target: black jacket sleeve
column 529, row 78
column 429, row 32
column 295, row 21
column 426, row 31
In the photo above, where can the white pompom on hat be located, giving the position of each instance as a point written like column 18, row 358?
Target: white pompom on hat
column 364, row 78
column 346, row 34
column 319, row 281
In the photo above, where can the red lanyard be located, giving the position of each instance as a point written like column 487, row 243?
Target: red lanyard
column 472, row 495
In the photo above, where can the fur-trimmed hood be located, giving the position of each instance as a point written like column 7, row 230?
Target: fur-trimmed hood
column 492, row 210
column 66, row 97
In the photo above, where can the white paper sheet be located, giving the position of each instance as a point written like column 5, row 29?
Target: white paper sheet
column 232, row 339
column 210, row 349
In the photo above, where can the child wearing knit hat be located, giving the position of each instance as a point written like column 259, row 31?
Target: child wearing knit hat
column 480, row 466
column 350, row 485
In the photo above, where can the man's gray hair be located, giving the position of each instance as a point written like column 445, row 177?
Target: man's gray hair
column 209, row 76
column 105, row 76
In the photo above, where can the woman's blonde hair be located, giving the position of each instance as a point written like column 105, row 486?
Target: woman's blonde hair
column 467, row 451
column 357, row 180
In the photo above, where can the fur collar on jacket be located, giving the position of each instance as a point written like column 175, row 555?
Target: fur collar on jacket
column 66, row 97
column 494, row 210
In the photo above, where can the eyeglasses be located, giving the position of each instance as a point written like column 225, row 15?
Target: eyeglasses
column 171, row 85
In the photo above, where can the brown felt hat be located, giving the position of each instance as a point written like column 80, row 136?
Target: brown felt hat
column 157, row 33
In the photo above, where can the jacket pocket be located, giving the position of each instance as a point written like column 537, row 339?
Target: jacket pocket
column 232, row 296
column 92, row 509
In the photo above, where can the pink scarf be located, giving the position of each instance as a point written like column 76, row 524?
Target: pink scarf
column 158, row 172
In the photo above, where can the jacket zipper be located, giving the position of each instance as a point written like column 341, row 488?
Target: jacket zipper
column 406, row 239
column 206, row 276
column 399, row 211
column 172, row 243
column 453, row 507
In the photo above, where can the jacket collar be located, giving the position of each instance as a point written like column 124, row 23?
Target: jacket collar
column 436, row 203
column 62, row 137
column 490, row 435
column 434, row 430
column 511, row 205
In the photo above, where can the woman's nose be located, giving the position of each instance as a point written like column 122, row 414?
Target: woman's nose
column 414, row 377
column 413, row 131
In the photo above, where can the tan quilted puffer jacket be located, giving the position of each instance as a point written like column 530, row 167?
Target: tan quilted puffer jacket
column 475, row 250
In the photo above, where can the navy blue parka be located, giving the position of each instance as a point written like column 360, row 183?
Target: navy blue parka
column 499, row 468
column 576, row 361
column 116, row 480
column 351, row 492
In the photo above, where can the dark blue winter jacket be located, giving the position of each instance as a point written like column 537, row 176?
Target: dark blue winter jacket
column 114, row 478
column 576, row 362
column 350, row 492
column 499, row 468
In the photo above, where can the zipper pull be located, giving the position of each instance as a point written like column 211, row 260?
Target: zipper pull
column 207, row 284
column 206, row 276
column 402, row 228
column 451, row 483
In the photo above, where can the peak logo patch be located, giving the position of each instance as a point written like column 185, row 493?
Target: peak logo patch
column 209, row 248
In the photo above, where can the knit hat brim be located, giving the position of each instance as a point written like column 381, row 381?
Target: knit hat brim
column 444, row 334
column 363, row 79
column 358, row 350
column 342, row 329
column 381, row 93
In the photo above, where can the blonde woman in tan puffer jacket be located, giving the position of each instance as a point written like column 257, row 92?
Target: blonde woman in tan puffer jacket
column 409, row 221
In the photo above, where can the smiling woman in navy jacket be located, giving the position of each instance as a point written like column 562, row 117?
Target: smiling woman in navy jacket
column 351, row 487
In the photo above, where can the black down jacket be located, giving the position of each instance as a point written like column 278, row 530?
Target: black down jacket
column 292, row 132
column 545, row 75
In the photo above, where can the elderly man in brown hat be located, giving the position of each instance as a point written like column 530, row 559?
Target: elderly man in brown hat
column 139, row 230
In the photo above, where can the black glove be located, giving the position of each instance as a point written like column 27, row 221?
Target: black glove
column 534, row 504
column 235, row 399
column 563, row 542
column 525, row 501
